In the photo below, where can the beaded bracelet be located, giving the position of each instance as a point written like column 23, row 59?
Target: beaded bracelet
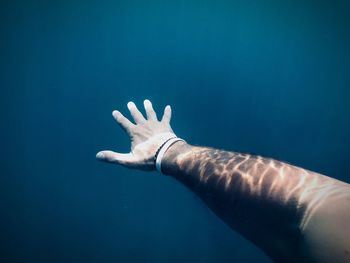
column 161, row 151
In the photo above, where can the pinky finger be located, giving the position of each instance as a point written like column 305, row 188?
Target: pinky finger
column 167, row 114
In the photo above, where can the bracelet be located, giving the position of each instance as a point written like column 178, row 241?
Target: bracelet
column 160, row 147
column 161, row 151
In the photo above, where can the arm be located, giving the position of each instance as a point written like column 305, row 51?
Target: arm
column 281, row 208
column 289, row 212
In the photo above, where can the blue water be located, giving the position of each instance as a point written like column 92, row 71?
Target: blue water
column 264, row 77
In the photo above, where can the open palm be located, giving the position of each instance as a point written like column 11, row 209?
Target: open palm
column 147, row 135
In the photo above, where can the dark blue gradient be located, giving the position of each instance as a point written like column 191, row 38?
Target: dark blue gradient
column 265, row 77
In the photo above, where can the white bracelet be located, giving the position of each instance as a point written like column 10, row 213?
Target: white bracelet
column 163, row 150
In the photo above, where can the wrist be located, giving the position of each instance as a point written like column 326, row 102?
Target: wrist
column 161, row 151
column 172, row 157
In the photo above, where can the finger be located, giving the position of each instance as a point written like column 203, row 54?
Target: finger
column 135, row 113
column 123, row 121
column 114, row 157
column 151, row 114
column 167, row 114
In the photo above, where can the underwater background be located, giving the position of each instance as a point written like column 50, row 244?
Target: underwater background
column 264, row 77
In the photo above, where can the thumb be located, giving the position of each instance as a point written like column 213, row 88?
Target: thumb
column 114, row 157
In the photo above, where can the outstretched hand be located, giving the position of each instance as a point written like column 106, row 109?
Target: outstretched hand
column 147, row 135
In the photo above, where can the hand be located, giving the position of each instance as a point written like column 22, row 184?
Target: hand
column 146, row 135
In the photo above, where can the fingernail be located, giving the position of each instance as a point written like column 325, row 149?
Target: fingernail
column 100, row 155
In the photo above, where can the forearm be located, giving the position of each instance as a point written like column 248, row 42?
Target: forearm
column 243, row 175
column 238, row 184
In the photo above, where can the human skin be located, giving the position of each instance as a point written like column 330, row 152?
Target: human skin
column 292, row 214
